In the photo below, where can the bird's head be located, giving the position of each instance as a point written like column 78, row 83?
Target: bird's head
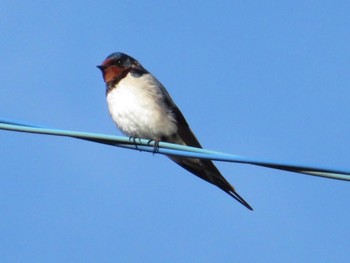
column 116, row 66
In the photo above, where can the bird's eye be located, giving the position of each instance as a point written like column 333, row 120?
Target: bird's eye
column 119, row 62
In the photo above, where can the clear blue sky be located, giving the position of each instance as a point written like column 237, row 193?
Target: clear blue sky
column 265, row 79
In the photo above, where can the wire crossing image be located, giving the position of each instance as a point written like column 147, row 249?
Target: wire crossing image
column 174, row 149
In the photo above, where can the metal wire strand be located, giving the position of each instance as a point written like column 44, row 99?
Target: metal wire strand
column 174, row 149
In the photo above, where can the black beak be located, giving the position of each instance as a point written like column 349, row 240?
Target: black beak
column 101, row 67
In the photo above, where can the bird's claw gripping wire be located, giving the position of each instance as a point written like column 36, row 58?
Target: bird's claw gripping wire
column 133, row 140
column 155, row 146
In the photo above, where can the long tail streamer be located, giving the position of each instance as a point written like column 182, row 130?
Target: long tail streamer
column 174, row 149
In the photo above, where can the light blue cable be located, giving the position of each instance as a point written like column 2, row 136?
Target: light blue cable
column 174, row 149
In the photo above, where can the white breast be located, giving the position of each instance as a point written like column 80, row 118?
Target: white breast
column 137, row 107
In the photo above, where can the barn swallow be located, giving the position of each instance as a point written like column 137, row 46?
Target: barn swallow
column 142, row 108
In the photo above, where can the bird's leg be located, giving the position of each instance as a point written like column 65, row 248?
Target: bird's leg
column 156, row 145
column 133, row 140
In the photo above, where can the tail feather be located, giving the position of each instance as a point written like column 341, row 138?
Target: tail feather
column 206, row 170
column 236, row 196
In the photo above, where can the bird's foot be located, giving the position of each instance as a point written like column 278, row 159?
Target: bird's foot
column 133, row 140
column 155, row 146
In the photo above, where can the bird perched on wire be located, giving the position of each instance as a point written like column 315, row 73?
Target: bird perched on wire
column 142, row 108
